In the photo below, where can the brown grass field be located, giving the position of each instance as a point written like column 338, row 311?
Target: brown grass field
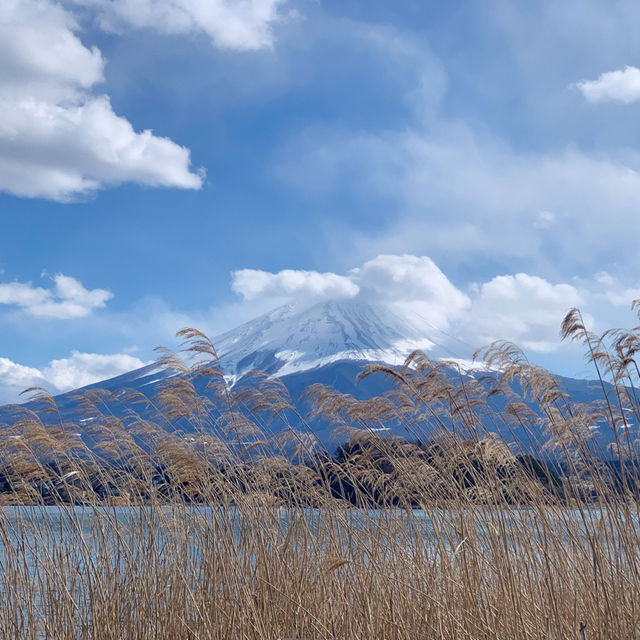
column 240, row 526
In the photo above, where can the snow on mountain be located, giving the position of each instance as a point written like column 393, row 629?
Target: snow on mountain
column 289, row 340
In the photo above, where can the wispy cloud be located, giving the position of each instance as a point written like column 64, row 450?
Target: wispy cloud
column 452, row 193
column 246, row 25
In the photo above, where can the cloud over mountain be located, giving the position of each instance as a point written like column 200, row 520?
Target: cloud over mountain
column 81, row 369
column 411, row 284
column 254, row 283
column 402, row 281
column 520, row 307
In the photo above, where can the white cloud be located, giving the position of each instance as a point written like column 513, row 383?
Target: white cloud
column 82, row 369
column 406, row 283
column 67, row 299
column 404, row 280
column 40, row 51
column 522, row 308
column 411, row 284
column 616, row 293
column 78, row 370
column 253, row 283
column 58, row 140
column 622, row 85
column 231, row 24
column 15, row 378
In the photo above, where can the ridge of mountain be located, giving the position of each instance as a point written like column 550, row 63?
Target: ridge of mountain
column 288, row 340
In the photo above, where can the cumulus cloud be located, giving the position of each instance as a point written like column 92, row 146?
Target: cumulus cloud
column 230, row 24
column 78, row 370
column 409, row 284
column 412, row 284
column 68, row 298
column 15, row 378
column 58, row 140
column 622, row 85
column 81, row 369
column 522, row 308
column 253, row 283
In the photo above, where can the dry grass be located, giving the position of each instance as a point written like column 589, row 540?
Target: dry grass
column 240, row 526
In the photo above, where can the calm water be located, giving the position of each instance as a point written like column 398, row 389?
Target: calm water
column 30, row 529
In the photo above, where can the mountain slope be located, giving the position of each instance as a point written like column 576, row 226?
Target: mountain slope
column 288, row 340
column 328, row 343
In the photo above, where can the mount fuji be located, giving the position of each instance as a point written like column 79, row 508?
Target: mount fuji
column 289, row 340
column 329, row 343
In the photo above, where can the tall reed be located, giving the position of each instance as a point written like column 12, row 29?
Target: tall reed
column 211, row 511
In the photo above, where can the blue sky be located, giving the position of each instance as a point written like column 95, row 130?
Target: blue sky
column 171, row 162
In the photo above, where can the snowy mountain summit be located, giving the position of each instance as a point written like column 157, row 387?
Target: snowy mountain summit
column 288, row 340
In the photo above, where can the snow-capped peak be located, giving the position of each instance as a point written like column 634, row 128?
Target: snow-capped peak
column 288, row 340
